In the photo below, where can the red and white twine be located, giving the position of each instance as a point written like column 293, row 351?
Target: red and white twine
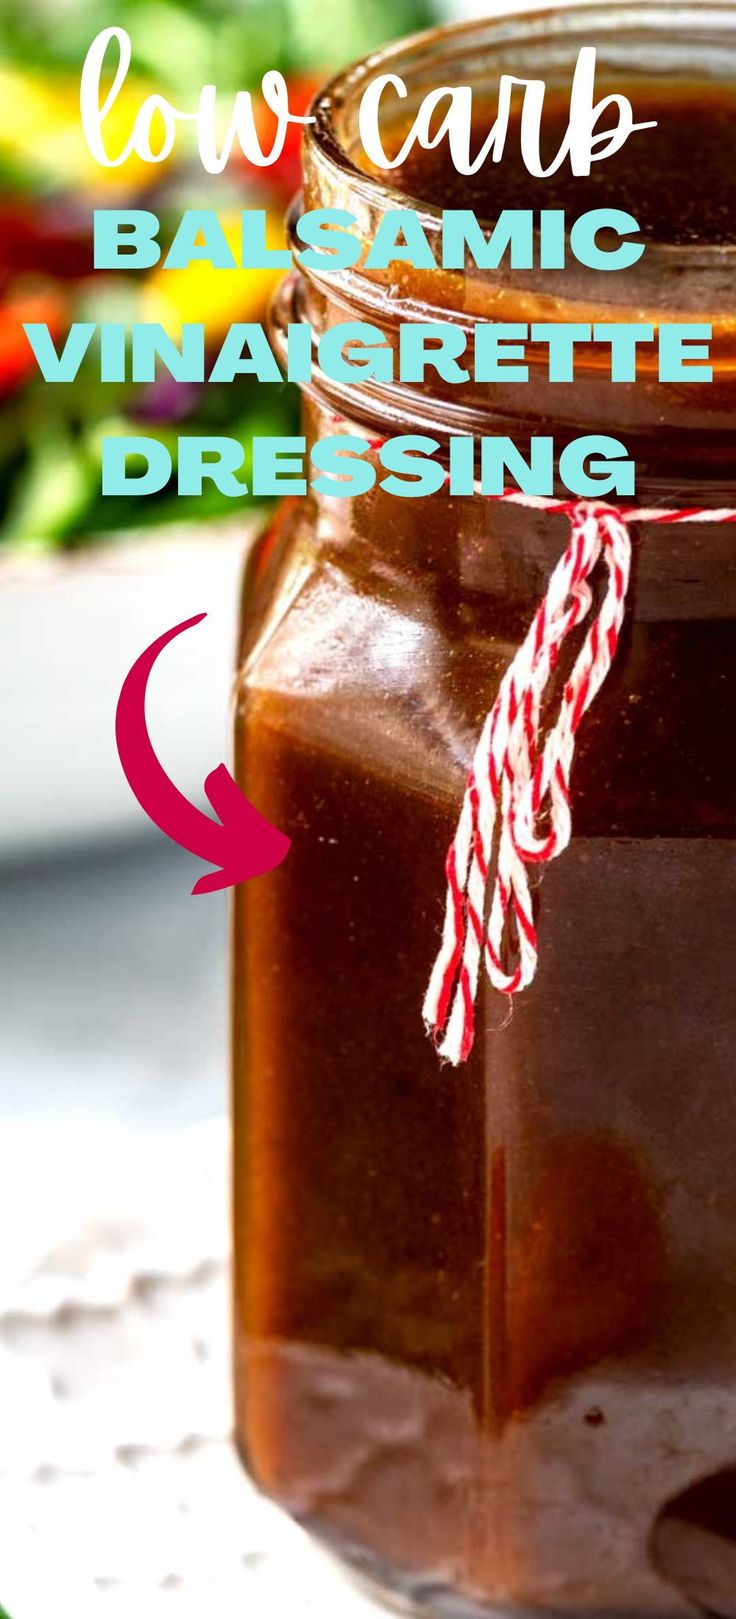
column 516, row 808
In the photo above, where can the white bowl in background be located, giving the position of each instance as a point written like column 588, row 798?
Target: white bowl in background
column 71, row 626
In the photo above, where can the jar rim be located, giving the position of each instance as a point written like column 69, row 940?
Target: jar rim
column 546, row 24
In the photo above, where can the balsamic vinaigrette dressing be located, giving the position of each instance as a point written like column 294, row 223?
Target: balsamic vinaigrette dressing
column 486, row 1318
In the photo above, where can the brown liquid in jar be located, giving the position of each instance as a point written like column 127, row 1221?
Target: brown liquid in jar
column 486, row 1318
column 678, row 180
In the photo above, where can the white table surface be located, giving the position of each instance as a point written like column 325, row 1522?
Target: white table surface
column 119, row 1489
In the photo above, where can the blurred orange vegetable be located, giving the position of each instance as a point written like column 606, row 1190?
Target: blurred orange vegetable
column 16, row 358
column 285, row 173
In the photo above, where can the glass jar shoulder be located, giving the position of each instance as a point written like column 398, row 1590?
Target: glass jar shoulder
column 348, row 652
column 351, row 649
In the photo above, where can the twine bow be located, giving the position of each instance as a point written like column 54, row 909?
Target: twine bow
column 516, row 807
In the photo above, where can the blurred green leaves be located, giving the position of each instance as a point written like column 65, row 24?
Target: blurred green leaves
column 186, row 43
column 50, row 437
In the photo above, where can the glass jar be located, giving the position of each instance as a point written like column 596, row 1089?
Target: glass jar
column 485, row 1316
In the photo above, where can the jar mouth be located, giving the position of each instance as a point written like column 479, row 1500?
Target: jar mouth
column 677, row 32
column 678, row 41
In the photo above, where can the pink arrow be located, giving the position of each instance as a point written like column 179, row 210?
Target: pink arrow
column 241, row 843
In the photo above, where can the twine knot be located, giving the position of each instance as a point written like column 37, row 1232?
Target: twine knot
column 516, row 807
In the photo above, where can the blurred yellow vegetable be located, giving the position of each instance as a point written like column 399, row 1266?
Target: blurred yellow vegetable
column 40, row 130
column 217, row 297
